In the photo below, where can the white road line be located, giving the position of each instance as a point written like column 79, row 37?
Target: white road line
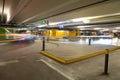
column 3, row 43
column 4, row 63
column 54, row 68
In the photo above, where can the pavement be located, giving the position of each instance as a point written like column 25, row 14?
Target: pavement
column 21, row 61
column 88, row 69
column 70, row 51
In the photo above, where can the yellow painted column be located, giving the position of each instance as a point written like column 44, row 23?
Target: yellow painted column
column 47, row 33
column 72, row 33
column 53, row 33
column 77, row 32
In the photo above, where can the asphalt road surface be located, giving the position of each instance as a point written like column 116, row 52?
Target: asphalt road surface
column 21, row 61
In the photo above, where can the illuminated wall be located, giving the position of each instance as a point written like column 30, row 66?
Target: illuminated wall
column 47, row 33
column 72, row 33
column 54, row 33
column 61, row 33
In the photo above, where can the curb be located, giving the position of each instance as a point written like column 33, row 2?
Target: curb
column 78, row 58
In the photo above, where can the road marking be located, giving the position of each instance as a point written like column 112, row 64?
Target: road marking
column 54, row 68
column 4, row 63
column 3, row 43
column 53, row 57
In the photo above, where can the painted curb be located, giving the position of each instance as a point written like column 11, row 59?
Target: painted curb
column 78, row 58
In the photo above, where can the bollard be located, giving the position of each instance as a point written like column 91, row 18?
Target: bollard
column 106, row 62
column 89, row 41
column 43, row 44
column 47, row 39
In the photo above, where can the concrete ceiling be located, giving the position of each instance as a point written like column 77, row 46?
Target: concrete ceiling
column 105, row 9
column 7, row 8
column 32, row 11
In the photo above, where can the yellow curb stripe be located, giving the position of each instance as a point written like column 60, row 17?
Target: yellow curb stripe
column 113, row 49
column 53, row 43
column 79, row 58
column 52, row 56
column 85, row 57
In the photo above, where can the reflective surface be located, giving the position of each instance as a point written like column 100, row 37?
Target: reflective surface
column 113, row 41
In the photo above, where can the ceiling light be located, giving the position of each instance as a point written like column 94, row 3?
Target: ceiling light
column 7, row 12
column 54, row 23
column 78, row 19
column 105, row 29
column 83, row 26
column 117, row 28
column 86, row 21
column 97, row 28
column 82, row 29
column 42, row 25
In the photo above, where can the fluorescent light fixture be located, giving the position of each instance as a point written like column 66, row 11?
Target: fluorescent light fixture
column 7, row 12
column 117, row 28
column 0, row 9
column 78, row 19
column 86, row 21
column 82, row 29
column 40, row 29
column 22, row 28
column 105, row 29
column 97, row 28
column 54, row 23
column 42, row 25
column 83, row 26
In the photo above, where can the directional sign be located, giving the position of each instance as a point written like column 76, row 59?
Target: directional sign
column 43, row 21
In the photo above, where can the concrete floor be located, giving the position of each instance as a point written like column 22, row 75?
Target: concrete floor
column 23, row 62
column 20, row 61
column 89, row 69
column 71, row 51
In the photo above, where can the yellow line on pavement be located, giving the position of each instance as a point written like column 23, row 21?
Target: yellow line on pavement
column 53, row 57
column 85, row 57
column 113, row 49
column 78, row 58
